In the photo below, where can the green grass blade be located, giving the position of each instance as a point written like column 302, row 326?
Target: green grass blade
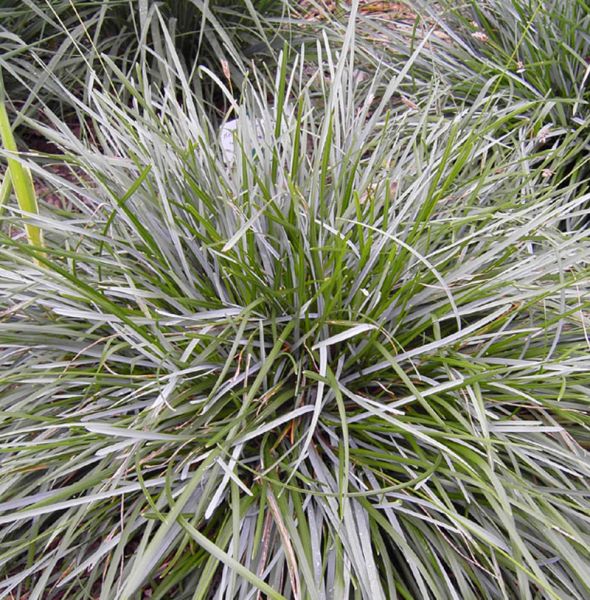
column 21, row 179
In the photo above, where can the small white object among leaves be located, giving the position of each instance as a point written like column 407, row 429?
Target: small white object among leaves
column 480, row 36
column 227, row 138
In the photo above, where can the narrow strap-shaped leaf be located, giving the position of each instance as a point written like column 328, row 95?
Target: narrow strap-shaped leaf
column 21, row 179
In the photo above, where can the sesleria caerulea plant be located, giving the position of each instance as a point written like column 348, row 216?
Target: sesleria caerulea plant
column 350, row 361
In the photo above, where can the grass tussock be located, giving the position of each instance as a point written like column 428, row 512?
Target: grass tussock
column 346, row 359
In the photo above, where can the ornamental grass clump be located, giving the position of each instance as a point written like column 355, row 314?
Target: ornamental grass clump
column 350, row 360
column 541, row 49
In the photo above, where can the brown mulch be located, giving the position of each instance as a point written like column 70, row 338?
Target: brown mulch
column 387, row 10
column 395, row 14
